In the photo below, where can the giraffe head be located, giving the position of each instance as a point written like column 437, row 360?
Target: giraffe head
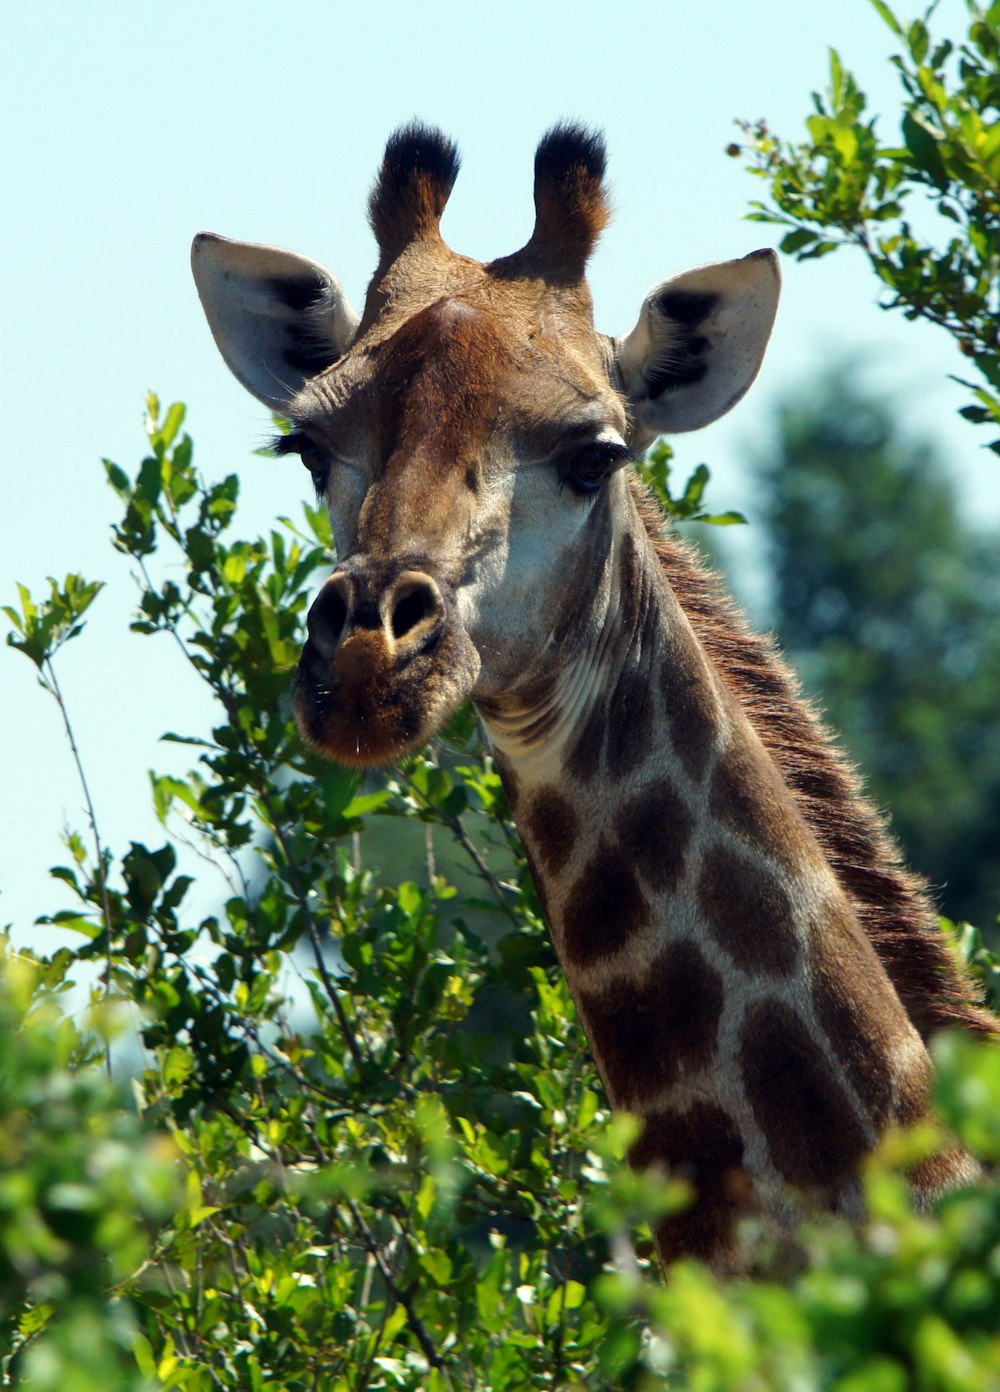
column 469, row 432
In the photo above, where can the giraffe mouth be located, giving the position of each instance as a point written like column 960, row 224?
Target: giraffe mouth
column 386, row 663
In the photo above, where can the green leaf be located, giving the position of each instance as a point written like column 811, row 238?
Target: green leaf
column 924, row 144
column 918, row 40
column 887, row 14
column 172, row 423
column 801, row 237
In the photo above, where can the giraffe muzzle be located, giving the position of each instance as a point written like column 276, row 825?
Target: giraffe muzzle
column 386, row 661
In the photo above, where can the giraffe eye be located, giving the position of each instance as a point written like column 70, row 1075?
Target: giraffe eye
column 319, row 468
column 314, row 458
column 586, row 469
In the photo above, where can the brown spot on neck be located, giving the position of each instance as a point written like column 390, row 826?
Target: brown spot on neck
column 620, row 730
column 630, row 578
column 689, row 702
column 648, row 1035
column 584, row 759
column 861, row 1014
column 748, row 913
column 631, row 705
column 814, row 1136
column 704, row 1146
column 604, row 908
column 553, row 826
column 654, row 830
column 749, row 798
column 509, row 779
column 630, row 716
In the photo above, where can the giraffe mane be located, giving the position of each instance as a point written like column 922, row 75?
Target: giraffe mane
column 893, row 904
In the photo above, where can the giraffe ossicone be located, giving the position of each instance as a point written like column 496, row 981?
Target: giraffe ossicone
column 756, row 973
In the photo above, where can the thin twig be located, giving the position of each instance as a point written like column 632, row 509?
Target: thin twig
column 314, row 938
column 429, row 853
column 231, row 1247
column 456, row 826
column 405, row 1298
column 333, row 994
column 54, row 687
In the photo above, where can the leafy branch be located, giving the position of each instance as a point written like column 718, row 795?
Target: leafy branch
column 844, row 185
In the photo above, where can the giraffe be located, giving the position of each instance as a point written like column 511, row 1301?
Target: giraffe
column 756, row 973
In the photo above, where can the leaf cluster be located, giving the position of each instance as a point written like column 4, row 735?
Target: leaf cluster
column 655, row 469
column 365, row 1145
column 925, row 208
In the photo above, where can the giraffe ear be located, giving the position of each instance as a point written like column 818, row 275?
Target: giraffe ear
column 278, row 318
column 699, row 342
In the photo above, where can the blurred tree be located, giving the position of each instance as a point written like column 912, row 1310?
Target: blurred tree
column 886, row 600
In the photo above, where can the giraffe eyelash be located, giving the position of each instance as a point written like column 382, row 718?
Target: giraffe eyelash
column 588, row 468
column 295, row 442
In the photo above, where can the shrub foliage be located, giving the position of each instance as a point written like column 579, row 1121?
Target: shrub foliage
column 923, row 206
column 364, row 1145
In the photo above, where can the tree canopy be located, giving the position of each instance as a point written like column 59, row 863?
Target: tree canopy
column 885, row 599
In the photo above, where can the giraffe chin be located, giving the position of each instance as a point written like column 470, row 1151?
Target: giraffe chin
column 370, row 706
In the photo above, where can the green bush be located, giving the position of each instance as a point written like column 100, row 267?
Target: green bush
column 84, row 1188
column 366, row 1146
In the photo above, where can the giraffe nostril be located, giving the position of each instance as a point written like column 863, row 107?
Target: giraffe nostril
column 407, row 612
column 328, row 616
column 416, row 599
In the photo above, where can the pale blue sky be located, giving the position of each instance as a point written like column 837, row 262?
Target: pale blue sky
column 128, row 127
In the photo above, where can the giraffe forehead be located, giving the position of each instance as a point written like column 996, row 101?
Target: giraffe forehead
column 458, row 373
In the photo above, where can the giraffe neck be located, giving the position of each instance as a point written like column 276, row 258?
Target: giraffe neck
column 728, row 993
